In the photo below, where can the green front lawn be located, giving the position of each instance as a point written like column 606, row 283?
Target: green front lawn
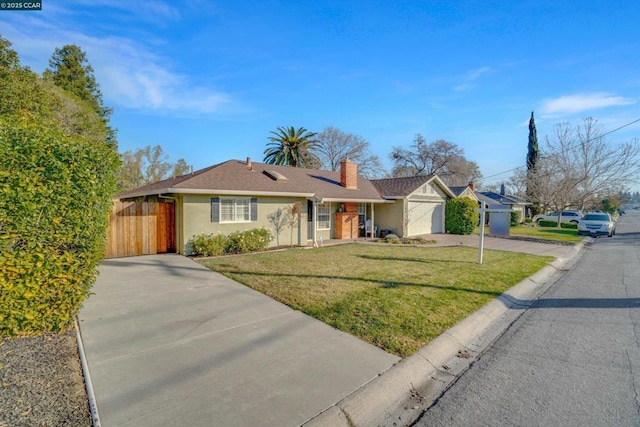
column 398, row 298
column 547, row 233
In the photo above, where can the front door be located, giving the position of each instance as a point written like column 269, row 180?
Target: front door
column 166, row 232
column 310, row 220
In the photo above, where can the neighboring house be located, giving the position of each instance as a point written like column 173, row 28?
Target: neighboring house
column 418, row 205
column 465, row 191
column 505, row 201
column 241, row 195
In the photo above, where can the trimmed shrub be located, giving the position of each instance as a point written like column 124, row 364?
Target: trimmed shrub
column 515, row 218
column 256, row 239
column 392, row 238
column 209, row 244
column 240, row 242
column 55, row 196
column 568, row 225
column 461, row 216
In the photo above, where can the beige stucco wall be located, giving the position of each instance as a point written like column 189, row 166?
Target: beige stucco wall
column 388, row 216
column 196, row 211
column 521, row 210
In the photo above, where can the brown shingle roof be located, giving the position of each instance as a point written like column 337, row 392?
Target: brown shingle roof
column 399, row 187
column 235, row 176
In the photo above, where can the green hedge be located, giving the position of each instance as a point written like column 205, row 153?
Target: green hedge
column 461, row 216
column 546, row 223
column 515, row 218
column 55, row 195
column 253, row 240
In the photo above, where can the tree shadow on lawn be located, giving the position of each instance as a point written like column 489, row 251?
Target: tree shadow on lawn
column 385, row 284
column 421, row 260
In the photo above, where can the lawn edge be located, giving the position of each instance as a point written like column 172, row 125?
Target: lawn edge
column 401, row 394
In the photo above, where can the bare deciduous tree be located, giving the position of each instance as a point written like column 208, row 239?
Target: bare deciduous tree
column 440, row 157
column 292, row 215
column 333, row 146
column 278, row 219
column 578, row 167
column 147, row 165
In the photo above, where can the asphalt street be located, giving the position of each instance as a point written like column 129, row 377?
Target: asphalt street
column 573, row 359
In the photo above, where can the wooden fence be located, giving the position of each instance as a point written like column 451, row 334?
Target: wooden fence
column 141, row 228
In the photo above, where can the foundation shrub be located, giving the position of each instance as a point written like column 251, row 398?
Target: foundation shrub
column 209, row 244
column 253, row 240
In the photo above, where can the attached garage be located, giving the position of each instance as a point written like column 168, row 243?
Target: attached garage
column 425, row 217
column 415, row 205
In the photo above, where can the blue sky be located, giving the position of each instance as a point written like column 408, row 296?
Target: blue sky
column 208, row 80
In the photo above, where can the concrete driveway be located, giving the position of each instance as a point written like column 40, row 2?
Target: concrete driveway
column 169, row 342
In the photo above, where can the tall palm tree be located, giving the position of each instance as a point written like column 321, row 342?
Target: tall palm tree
column 290, row 147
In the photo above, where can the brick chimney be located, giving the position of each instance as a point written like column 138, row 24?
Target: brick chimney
column 472, row 186
column 349, row 174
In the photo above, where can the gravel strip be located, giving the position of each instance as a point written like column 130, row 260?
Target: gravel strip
column 41, row 382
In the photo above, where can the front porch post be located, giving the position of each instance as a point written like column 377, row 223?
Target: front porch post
column 314, row 223
column 373, row 222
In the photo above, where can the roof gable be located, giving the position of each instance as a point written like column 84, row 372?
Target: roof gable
column 402, row 187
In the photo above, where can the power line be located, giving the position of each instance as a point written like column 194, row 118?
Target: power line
column 598, row 137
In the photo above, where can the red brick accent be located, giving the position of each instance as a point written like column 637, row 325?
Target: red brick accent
column 349, row 175
column 346, row 225
column 350, row 207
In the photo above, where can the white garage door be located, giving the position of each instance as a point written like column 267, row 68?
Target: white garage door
column 425, row 218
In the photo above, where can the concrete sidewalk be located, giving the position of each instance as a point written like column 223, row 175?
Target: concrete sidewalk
column 169, row 342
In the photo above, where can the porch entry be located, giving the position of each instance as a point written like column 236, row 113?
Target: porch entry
column 310, row 220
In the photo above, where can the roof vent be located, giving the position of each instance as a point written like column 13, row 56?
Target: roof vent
column 276, row 176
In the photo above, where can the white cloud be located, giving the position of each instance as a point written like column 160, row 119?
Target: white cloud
column 475, row 74
column 129, row 73
column 577, row 103
column 133, row 77
column 152, row 10
column 470, row 78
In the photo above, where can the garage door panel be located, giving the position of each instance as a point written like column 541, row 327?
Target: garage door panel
column 425, row 218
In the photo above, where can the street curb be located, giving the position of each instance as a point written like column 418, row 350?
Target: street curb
column 401, row 394
column 93, row 406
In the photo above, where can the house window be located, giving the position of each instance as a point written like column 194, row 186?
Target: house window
column 234, row 210
column 362, row 213
column 324, row 216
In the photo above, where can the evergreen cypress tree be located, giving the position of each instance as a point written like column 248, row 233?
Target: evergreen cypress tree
column 533, row 155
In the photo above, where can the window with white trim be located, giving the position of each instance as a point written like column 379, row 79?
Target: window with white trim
column 235, row 210
column 324, row 216
column 362, row 213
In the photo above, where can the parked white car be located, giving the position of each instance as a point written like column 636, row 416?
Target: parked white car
column 597, row 223
column 567, row 216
